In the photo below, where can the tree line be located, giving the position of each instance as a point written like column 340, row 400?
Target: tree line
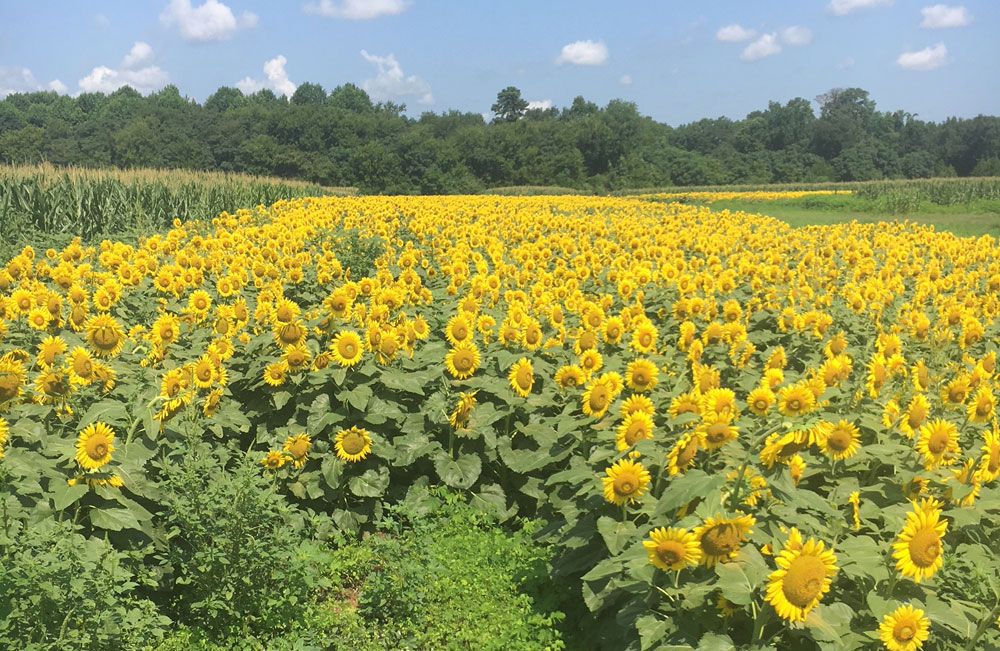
column 343, row 138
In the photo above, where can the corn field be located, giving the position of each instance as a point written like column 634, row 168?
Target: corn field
column 96, row 203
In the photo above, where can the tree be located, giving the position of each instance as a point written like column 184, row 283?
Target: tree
column 350, row 98
column 510, row 106
column 225, row 99
column 309, row 94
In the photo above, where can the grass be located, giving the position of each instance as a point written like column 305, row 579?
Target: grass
column 974, row 219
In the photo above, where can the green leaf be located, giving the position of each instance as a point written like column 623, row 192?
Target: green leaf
column 458, row 473
column 281, row 398
column 333, row 471
column 400, row 381
column 372, row 483
column 651, row 630
column 64, row 495
column 684, row 488
column 357, row 397
column 114, row 519
column 861, row 557
column 616, row 534
column 109, row 411
column 413, row 446
column 716, row 642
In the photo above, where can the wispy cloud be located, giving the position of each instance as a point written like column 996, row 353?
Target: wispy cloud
column 844, row 7
column 21, row 80
column 356, row 9
column 796, row 36
column 734, row 34
column 391, row 84
column 765, row 46
column 942, row 16
column 929, row 58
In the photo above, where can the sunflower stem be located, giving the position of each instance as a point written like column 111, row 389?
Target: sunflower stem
column 734, row 499
column 985, row 622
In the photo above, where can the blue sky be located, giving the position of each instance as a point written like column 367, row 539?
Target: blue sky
column 678, row 60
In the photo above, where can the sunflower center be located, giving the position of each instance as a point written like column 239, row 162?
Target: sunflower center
column 97, row 447
column 917, row 416
column 956, row 394
column 685, row 456
column 640, row 378
column 205, row 372
column 347, row 348
column 588, row 340
column 925, row 547
column 284, row 314
column 794, row 404
column 984, row 408
column 105, row 338
column 721, row 540
column 463, row 360
column 460, row 332
column 671, row 552
column 599, row 398
column 626, row 483
column 839, row 440
column 290, row 333
column 353, row 443
column 717, row 433
column 903, row 631
column 636, row 432
column 994, row 463
column 803, row 581
column 645, row 339
column 938, row 441
column 299, row 448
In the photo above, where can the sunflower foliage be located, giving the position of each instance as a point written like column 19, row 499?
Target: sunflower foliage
column 737, row 433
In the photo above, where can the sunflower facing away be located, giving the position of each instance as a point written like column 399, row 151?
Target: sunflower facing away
column 802, row 578
column 672, row 549
column 904, row 629
column 918, row 548
column 521, row 377
column 95, row 445
column 626, row 481
column 719, row 538
column 352, row 444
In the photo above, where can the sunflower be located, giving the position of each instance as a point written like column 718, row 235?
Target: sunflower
column 203, row 372
column 727, row 608
column 95, row 445
column 716, row 433
column 49, row 348
column 641, row 375
column 840, row 441
column 644, row 338
column 285, row 311
column 597, row 398
column 796, row 468
column 569, row 376
column 463, row 360
column 918, row 548
column 296, row 357
column 718, row 405
column 4, row 434
column 637, row 402
column 915, row 415
column 590, row 362
column 211, row 404
column 686, row 403
column 904, row 629
column 681, row 456
column 982, row 407
column 273, row 460
column 626, row 481
column 297, row 447
column 956, row 391
column 672, row 549
column 760, row 400
column 459, row 418
column 613, row 329
column 719, row 538
column 105, row 335
column 52, row 385
column 165, row 329
column 938, row 443
column 795, row 400
column 634, row 428
column 802, row 578
column 521, row 377
column 352, row 444
column 989, row 464
column 274, row 374
column 458, row 330
column 347, row 348
column 199, row 303
column 39, row 318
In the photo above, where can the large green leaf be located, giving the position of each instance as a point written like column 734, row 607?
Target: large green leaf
column 616, row 533
column 458, row 473
column 114, row 519
column 371, row 483
column 63, row 495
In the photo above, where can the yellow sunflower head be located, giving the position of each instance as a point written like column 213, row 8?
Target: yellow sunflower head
column 353, row 444
column 803, row 576
column 95, row 445
column 626, row 480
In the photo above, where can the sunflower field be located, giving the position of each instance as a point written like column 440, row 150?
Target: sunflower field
column 737, row 434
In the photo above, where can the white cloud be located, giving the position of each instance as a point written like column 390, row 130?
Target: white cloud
column 734, row 34
column 276, row 79
column 844, row 7
column 356, row 9
column 390, row 83
column 764, row 46
column 796, row 36
column 583, row 53
column 929, row 58
column 140, row 53
column 625, row 80
column 21, row 80
column 542, row 105
column 847, row 64
column 940, row 16
column 212, row 21
column 102, row 21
